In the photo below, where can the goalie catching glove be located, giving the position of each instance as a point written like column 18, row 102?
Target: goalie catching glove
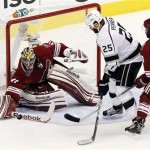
column 74, row 56
column 7, row 106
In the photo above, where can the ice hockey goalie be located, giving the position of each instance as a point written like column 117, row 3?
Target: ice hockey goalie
column 30, row 84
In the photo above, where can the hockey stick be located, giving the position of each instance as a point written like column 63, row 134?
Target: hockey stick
column 76, row 119
column 90, row 140
column 42, row 118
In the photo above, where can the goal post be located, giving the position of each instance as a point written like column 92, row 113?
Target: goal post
column 65, row 26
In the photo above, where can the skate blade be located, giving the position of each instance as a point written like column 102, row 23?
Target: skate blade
column 134, row 136
column 144, row 131
column 117, row 116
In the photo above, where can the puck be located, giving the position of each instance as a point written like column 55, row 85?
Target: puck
column 19, row 117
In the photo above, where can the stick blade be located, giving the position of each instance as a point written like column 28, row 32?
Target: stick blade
column 71, row 118
column 86, row 141
column 49, row 114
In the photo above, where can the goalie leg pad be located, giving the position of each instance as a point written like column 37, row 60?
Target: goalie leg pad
column 74, row 85
column 42, row 102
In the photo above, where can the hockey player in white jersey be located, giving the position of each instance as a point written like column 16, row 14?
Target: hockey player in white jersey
column 123, row 61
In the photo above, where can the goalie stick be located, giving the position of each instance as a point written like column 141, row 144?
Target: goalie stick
column 42, row 118
column 77, row 119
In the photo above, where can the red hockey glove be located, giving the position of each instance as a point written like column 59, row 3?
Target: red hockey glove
column 141, row 81
column 7, row 105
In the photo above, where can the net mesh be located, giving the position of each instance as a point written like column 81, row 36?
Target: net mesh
column 68, row 28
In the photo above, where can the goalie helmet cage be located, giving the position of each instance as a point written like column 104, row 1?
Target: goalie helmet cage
column 67, row 23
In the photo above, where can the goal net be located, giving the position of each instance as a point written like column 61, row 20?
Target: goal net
column 66, row 26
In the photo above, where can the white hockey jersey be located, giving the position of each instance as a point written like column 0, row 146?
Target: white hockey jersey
column 117, row 44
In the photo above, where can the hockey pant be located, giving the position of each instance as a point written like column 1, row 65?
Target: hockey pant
column 122, row 79
column 144, row 103
column 74, row 84
column 126, row 100
column 42, row 102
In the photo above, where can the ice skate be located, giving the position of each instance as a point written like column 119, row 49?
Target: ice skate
column 113, row 113
column 136, row 126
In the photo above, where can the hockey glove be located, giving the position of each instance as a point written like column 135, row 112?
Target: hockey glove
column 103, row 85
column 7, row 105
column 111, row 68
column 141, row 81
column 76, row 56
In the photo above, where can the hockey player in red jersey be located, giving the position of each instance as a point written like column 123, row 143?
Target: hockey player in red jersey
column 30, row 86
column 143, row 81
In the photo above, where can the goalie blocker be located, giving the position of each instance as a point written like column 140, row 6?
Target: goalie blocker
column 7, row 105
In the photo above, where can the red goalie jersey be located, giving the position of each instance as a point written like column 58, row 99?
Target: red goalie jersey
column 44, row 61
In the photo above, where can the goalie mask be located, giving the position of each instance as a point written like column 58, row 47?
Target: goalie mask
column 28, row 58
column 93, row 19
column 147, row 27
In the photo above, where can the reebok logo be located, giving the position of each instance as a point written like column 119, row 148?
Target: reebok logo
column 28, row 117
